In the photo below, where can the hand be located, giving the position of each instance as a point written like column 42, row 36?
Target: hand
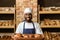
column 25, row 36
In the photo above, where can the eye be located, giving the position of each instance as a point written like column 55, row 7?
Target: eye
column 26, row 14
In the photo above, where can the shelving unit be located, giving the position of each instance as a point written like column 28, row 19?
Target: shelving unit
column 7, row 20
column 48, row 14
column 7, row 17
column 5, row 11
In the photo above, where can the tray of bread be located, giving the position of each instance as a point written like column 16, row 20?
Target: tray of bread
column 29, row 37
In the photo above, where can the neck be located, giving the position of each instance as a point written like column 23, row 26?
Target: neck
column 29, row 21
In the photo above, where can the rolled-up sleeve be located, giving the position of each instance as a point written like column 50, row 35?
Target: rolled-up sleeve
column 38, row 29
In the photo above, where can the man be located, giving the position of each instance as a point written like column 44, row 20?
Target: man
column 28, row 26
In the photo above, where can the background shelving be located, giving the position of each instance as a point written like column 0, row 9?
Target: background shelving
column 49, row 9
column 7, row 16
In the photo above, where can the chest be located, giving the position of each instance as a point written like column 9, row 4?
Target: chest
column 28, row 26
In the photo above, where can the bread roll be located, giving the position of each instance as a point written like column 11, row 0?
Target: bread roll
column 31, row 35
column 25, row 36
column 37, row 36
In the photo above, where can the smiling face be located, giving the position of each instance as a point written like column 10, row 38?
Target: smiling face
column 28, row 17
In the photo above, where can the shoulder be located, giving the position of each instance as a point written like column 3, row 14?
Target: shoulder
column 20, row 24
column 36, row 24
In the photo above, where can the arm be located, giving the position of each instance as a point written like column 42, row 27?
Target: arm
column 18, row 32
column 39, row 31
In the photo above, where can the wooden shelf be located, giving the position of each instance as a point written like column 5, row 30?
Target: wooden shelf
column 54, row 26
column 55, row 32
column 49, row 12
column 7, row 12
column 57, row 25
column 7, row 26
column 9, row 34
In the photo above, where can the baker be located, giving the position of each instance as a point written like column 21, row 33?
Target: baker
column 28, row 26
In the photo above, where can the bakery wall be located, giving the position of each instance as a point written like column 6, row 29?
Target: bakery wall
column 21, row 5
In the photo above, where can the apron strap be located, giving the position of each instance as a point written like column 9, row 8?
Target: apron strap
column 33, row 25
column 24, row 25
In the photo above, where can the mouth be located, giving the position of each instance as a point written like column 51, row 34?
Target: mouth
column 28, row 18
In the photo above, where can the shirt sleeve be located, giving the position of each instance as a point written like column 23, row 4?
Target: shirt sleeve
column 19, row 29
column 38, row 29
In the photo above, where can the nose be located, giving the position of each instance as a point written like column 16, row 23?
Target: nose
column 28, row 15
